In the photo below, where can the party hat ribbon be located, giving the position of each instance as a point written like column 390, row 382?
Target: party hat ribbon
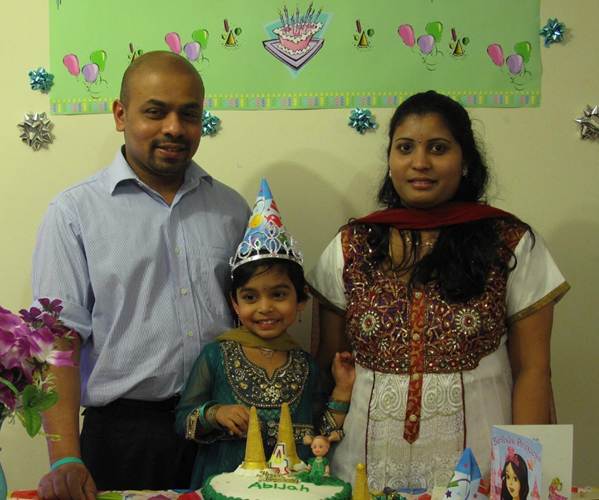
column 265, row 236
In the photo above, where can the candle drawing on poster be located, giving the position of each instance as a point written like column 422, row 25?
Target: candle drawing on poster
column 515, row 466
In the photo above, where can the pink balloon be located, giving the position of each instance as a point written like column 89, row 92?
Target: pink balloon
column 72, row 64
column 173, row 41
column 495, row 53
column 192, row 51
column 406, row 32
column 426, row 43
column 90, row 72
column 514, row 63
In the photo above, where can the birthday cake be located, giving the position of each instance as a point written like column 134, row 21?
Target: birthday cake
column 295, row 40
column 283, row 476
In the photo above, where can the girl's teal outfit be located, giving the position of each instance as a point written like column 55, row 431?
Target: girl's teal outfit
column 223, row 374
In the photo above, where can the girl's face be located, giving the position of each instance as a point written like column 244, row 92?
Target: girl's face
column 511, row 481
column 267, row 304
column 320, row 447
column 425, row 161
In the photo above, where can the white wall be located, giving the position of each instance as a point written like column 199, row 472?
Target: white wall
column 321, row 173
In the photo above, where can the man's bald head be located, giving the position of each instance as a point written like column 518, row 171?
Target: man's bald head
column 155, row 62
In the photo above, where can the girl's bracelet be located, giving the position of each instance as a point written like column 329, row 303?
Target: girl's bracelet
column 66, row 460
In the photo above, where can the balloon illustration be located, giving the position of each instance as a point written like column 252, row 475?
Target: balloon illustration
column 496, row 54
column 514, row 63
column 98, row 57
column 426, row 43
column 90, row 72
column 72, row 64
column 192, row 51
column 173, row 41
column 523, row 49
column 406, row 32
column 200, row 36
column 435, row 29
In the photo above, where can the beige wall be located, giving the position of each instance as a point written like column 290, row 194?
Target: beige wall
column 321, row 173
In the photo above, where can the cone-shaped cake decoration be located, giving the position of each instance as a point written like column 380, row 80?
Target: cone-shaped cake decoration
column 254, row 449
column 286, row 436
column 360, row 489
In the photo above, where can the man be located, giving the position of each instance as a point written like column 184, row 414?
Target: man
column 139, row 254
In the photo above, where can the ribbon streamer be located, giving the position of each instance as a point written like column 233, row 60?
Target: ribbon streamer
column 36, row 131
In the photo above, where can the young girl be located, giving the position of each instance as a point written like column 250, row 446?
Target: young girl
column 259, row 364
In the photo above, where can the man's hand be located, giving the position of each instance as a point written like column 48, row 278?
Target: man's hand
column 68, row 482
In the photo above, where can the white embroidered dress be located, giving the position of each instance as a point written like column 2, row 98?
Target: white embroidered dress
column 457, row 409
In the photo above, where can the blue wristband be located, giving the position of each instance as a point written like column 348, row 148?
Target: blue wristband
column 66, row 460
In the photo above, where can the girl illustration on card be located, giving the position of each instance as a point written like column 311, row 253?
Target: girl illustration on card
column 514, row 478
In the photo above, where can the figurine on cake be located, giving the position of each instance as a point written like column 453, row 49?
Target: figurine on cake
column 259, row 364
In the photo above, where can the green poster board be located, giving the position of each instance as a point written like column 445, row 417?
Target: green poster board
column 273, row 54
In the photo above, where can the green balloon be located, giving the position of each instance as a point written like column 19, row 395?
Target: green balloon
column 435, row 29
column 237, row 31
column 465, row 40
column 523, row 49
column 98, row 57
column 200, row 36
column 370, row 32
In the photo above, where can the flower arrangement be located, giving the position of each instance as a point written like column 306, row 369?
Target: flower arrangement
column 29, row 343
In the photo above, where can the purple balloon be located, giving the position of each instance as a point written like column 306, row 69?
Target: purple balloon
column 90, row 72
column 514, row 63
column 426, row 43
column 192, row 51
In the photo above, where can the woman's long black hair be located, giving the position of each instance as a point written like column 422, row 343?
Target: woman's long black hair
column 463, row 254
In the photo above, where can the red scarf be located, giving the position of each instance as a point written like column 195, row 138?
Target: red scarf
column 448, row 214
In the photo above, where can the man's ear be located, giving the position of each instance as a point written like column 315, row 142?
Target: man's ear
column 120, row 115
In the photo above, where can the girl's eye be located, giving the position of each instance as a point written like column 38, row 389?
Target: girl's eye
column 280, row 295
column 248, row 297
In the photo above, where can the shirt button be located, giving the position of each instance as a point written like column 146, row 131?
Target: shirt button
column 415, row 337
column 177, row 250
column 184, row 291
column 413, row 418
column 190, row 333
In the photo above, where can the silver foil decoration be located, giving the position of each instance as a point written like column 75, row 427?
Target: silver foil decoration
column 589, row 123
column 36, row 130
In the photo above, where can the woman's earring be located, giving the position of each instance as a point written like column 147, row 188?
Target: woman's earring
column 464, row 170
column 390, row 174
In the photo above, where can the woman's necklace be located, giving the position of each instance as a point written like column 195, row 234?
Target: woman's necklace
column 266, row 352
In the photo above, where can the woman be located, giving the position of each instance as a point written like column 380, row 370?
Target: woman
column 446, row 302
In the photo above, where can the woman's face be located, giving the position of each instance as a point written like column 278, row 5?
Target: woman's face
column 512, row 482
column 425, row 161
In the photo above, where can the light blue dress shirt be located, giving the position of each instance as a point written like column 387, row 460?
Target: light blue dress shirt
column 142, row 282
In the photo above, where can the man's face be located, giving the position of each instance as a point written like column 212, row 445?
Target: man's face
column 161, row 121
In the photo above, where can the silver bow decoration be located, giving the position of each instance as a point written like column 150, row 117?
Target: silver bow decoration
column 589, row 123
column 36, row 130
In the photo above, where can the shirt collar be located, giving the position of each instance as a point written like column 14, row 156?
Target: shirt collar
column 119, row 172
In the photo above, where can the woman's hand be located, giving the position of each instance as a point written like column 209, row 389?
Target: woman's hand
column 344, row 374
column 233, row 418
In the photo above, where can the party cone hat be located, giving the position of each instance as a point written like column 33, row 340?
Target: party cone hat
column 231, row 40
column 363, row 40
column 254, row 449
column 286, row 436
column 266, row 235
column 458, row 50
column 360, row 489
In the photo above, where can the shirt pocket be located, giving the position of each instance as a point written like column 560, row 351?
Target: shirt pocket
column 210, row 278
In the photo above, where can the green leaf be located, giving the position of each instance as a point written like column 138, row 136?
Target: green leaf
column 46, row 400
column 32, row 420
